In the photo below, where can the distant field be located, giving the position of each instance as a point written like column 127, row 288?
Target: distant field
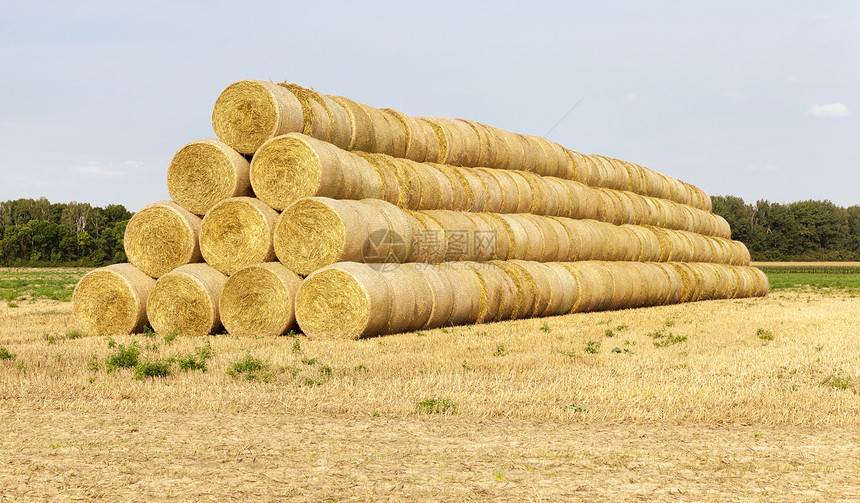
column 823, row 275
column 661, row 403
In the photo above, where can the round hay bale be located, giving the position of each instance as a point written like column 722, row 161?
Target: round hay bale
column 648, row 292
column 501, row 235
column 492, row 281
column 317, row 231
column 722, row 228
column 689, row 286
column 525, row 196
column 249, row 112
column 112, row 300
column 470, row 140
column 486, row 192
column 616, row 242
column 484, row 149
column 551, row 286
column 402, row 175
column 531, row 235
column 372, row 182
column 588, row 285
column 576, row 238
column 205, row 172
column 293, row 166
column 511, row 144
column 461, row 190
column 557, row 188
column 596, row 277
column 476, row 188
column 525, row 288
column 428, row 239
column 628, row 208
column 442, row 300
column 499, row 153
column 676, row 285
column 401, row 134
column 545, row 196
column 706, row 283
column 553, row 237
column 632, row 244
column 566, row 295
column 641, row 210
column 383, row 137
column 578, row 169
column 436, row 190
column 649, row 245
column 483, row 241
column 340, row 123
column 395, row 243
column 411, row 297
column 466, row 287
column 185, row 301
column 443, row 139
column 238, row 232
column 317, row 122
column 361, row 127
column 535, row 157
column 638, row 283
column 582, row 200
column 725, row 282
column 664, row 240
column 460, row 232
column 431, row 141
column 664, row 284
column 260, row 300
column 700, row 249
column 760, row 282
column 740, row 254
column 683, row 252
column 724, row 250
column 347, row 300
column 622, row 285
column 542, row 279
column 508, row 191
column 161, row 237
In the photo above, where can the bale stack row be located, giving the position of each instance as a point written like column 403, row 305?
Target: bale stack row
column 346, row 220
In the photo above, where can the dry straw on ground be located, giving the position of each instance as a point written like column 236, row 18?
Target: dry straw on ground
column 161, row 237
column 259, row 300
column 205, row 172
column 236, row 233
column 112, row 300
column 185, row 301
column 249, row 112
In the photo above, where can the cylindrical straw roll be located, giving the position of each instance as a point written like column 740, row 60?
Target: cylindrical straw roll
column 411, row 296
column 398, row 131
column 525, row 288
column 461, row 191
column 484, row 243
column 525, row 236
column 548, row 289
column 161, row 237
column 346, row 300
column 185, row 301
column 249, row 112
column 112, row 300
column 460, row 232
column 428, row 239
column 466, row 287
column 361, row 127
column 569, row 288
column 205, row 172
column 501, row 235
column 238, row 232
column 579, row 246
column 442, row 300
column 317, row 121
column 509, row 197
column 498, row 293
column 293, row 166
column 442, row 136
column 259, row 300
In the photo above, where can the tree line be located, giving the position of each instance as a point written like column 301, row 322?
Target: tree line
column 800, row 231
column 36, row 232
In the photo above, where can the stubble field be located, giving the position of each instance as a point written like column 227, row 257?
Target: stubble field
column 751, row 399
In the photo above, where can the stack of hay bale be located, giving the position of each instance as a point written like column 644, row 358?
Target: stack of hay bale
column 350, row 221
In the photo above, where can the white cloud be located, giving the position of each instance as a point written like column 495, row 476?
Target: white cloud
column 829, row 110
column 133, row 164
column 94, row 168
column 792, row 78
column 631, row 97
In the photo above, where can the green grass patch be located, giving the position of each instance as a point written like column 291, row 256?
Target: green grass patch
column 437, row 406
column 35, row 284
column 780, row 280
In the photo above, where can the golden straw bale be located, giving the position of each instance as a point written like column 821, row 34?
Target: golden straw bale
column 461, row 190
column 508, row 189
column 373, row 182
column 622, row 285
column 339, row 120
column 361, row 126
column 722, row 228
column 293, row 166
column 545, row 281
column 460, row 232
column 534, row 157
column 383, row 138
column 317, row 123
column 485, row 140
column 558, row 189
column 112, row 300
column 347, row 300
column 525, row 197
column 483, row 242
column 431, row 141
column 205, row 172
column 492, row 281
column 476, row 188
column 649, row 245
column 525, row 288
column 466, row 287
column 428, row 239
column 578, row 239
column 499, row 152
column 249, row 112
column 402, row 174
column 442, row 299
column 400, row 134
column 398, row 236
column 470, row 141
column 185, row 301
column 689, row 285
column 436, row 189
column 492, row 191
column 515, row 148
column 236, row 233
column 501, row 234
column 161, row 237
column 568, row 289
column 443, row 139
column 545, row 199
column 411, row 297
column 260, row 300
column 638, row 283
column 526, row 236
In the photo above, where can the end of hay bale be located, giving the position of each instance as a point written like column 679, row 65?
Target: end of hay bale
column 249, row 112
column 185, row 301
column 236, row 233
column 112, row 300
column 346, row 300
column 259, row 300
column 161, row 237
column 205, row 172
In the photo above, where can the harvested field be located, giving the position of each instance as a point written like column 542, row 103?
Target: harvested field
column 748, row 399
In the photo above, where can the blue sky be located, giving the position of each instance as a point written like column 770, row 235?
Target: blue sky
column 755, row 99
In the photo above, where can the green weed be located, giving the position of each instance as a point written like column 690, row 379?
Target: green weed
column 437, row 406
